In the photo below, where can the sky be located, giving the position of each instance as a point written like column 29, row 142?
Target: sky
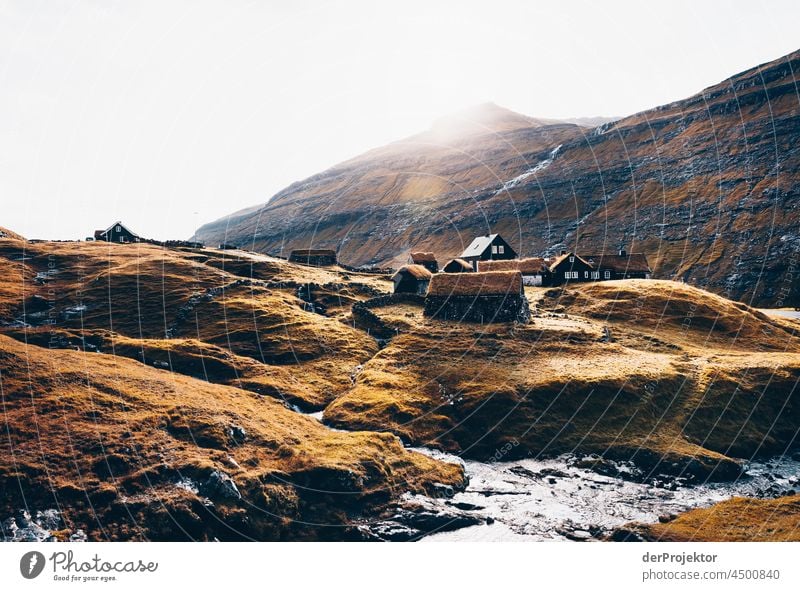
column 170, row 114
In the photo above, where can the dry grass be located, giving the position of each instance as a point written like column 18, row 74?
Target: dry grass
column 735, row 520
column 681, row 313
column 636, row 386
column 107, row 440
column 145, row 292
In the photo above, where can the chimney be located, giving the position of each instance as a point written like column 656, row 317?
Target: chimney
column 622, row 252
column 563, row 252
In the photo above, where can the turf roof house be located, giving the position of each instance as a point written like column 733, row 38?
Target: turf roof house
column 412, row 279
column 496, row 296
column 535, row 270
column 426, row 259
column 458, row 266
column 316, row 257
column 116, row 232
column 622, row 265
column 570, row 268
column 490, row 247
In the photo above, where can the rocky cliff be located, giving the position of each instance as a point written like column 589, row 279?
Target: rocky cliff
column 705, row 186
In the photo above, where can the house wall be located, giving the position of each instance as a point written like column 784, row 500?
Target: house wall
column 483, row 309
column 314, row 260
column 113, row 235
column 408, row 284
column 584, row 272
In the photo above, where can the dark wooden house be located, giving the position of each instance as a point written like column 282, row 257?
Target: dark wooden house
column 458, row 266
column 497, row 296
column 622, row 265
column 570, row 268
column 534, row 270
column 426, row 259
column 412, row 279
column 315, row 257
column 490, row 247
column 116, row 232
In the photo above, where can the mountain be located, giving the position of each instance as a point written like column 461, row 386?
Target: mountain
column 705, row 186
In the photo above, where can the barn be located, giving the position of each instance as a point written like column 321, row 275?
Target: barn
column 412, row 279
column 458, row 266
column 490, row 247
column 116, row 232
column 315, row 257
column 570, row 268
column 496, row 296
column 426, row 259
column 622, row 265
column 534, row 270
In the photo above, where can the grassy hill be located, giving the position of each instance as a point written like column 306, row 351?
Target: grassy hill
column 139, row 383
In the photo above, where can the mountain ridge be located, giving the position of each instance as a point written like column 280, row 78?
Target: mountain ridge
column 705, row 186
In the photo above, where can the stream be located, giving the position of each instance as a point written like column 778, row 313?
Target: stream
column 553, row 499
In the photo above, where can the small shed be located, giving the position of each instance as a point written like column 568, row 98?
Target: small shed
column 490, row 247
column 458, row 266
column 534, row 270
column 412, row 279
column 116, row 232
column 495, row 296
column 315, row 257
column 426, row 259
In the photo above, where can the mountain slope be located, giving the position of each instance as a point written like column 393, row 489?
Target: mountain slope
column 706, row 186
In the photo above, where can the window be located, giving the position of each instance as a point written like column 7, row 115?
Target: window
column 122, row 238
column 494, row 249
column 119, row 228
column 570, row 274
column 571, row 259
column 586, row 274
column 607, row 274
column 595, row 274
column 501, row 249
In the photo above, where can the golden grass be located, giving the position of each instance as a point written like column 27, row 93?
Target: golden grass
column 637, row 386
column 680, row 312
column 734, row 520
column 108, row 439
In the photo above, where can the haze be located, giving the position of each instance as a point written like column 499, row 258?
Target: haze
column 167, row 115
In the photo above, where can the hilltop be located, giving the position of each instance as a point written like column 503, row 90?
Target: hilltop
column 706, row 187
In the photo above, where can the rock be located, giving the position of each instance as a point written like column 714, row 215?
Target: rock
column 220, row 486
column 237, row 433
column 79, row 536
column 441, row 491
column 465, row 506
column 578, row 535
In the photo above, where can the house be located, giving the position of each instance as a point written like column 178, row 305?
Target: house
column 622, row 265
column 316, row 257
column 534, row 270
column 426, row 259
column 496, row 296
column 490, row 247
column 116, row 232
column 458, row 266
column 412, row 279
column 570, row 268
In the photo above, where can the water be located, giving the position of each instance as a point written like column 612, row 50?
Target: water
column 552, row 500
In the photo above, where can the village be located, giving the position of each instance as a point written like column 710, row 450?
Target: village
column 484, row 284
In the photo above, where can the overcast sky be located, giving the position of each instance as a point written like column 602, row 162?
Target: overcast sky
column 170, row 114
